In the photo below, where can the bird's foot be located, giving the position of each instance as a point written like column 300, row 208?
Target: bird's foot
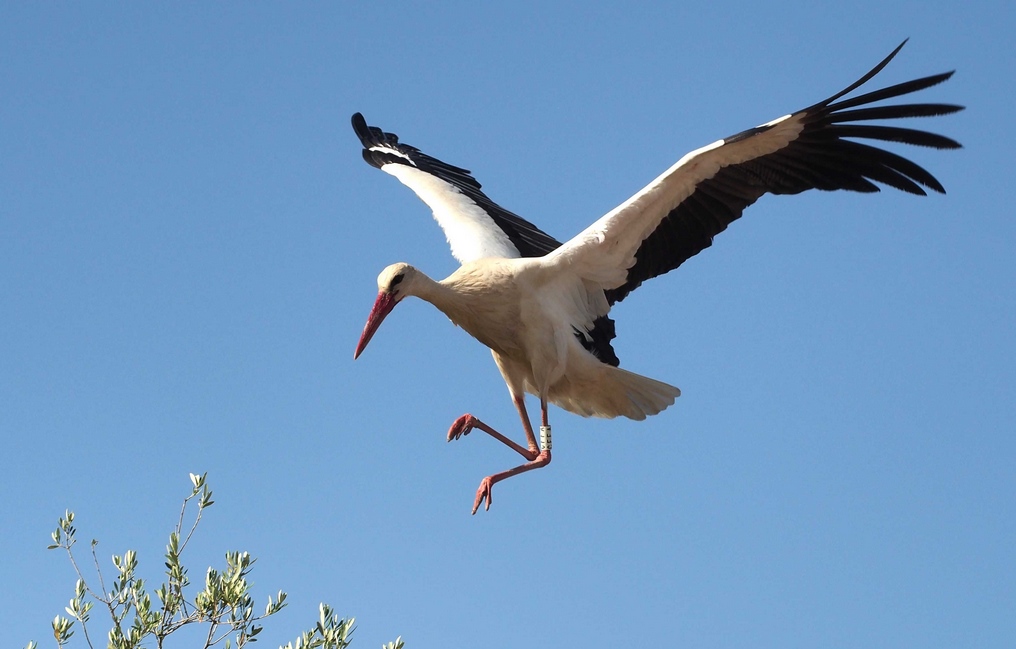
column 484, row 493
column 461, row 426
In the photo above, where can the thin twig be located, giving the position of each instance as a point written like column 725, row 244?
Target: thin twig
column 197, row 519
column 105, row 599
column 211, row 633
column 98, row 573
column 183, row 508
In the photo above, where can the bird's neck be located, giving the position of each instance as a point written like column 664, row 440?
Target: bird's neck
column 444, row 297
column 479, row 299
column 459, row 296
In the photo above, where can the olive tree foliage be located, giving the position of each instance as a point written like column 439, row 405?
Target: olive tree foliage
column 140, row 616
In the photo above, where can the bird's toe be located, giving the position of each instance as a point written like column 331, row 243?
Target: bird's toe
column 462, row 426
column 483, row 493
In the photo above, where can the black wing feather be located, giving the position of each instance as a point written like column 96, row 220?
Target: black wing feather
column 820, row 158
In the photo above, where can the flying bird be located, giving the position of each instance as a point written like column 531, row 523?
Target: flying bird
column 542, row 306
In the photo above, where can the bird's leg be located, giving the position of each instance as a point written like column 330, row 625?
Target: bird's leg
column 538, row 457
column 466, row 423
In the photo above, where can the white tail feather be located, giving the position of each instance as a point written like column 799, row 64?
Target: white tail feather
column 612, row 392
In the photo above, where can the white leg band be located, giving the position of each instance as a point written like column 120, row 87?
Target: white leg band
column 545, row 442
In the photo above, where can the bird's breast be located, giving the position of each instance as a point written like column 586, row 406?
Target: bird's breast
column 484, row 300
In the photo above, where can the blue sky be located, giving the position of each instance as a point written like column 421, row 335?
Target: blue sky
column 189, row 242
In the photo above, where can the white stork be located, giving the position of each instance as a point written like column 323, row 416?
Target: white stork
column 541, row 306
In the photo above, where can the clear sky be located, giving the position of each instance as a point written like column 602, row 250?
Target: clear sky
column 189, row 242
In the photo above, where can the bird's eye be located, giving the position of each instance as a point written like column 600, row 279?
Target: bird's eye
column 395, row 280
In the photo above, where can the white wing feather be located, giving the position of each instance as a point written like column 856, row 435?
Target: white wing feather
column 470, row 231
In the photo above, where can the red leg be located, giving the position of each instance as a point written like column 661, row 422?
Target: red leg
column 466, row 423
column 537, row 457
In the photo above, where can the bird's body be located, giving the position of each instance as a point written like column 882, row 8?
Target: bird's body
column 542, row 306
column 527, row 310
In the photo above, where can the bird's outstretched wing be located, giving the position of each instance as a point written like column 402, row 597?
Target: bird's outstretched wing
column 476, row 227
column 678, row 214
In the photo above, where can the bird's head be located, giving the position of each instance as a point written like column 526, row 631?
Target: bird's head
column 393, row 284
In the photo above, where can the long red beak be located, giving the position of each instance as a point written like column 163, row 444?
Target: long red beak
column 383, row 305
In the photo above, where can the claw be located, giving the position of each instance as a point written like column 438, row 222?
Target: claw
column 484, row 493
column 461, row 426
